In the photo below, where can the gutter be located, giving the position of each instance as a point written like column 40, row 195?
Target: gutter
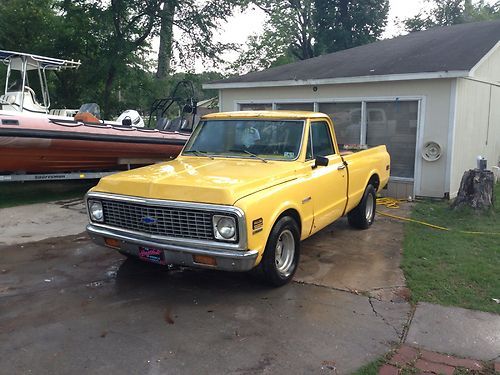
column 337, row 81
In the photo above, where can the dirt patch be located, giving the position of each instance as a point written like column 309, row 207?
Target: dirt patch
column 36, row 222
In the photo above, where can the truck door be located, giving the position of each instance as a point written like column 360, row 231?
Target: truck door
column 328, row 183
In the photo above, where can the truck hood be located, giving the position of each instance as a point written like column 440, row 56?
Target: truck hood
column 199, row 179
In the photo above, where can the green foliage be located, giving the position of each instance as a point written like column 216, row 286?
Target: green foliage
column 452, row 12
column 198, row 21
column 22, row 193
column 22, row 24
column 371, row 368
column 343, row 24
column 301, row 29
column 112, row 41
column 453, row 268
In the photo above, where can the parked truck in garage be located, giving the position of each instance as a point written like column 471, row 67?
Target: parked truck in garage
column 247, row 188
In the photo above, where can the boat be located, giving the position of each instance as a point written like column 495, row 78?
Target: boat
column 37, row 140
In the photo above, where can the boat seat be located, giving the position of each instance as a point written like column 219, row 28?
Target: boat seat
column 163, row 123
column 176, row 124
column 12, row 101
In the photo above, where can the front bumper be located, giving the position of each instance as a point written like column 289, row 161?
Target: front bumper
column 227, row 260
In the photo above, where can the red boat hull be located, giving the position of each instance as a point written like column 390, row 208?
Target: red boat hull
column 37, row 145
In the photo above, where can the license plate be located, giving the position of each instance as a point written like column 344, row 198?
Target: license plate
column 152, row 255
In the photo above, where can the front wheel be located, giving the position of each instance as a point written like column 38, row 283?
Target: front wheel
column 282, row 252
column 363, row 215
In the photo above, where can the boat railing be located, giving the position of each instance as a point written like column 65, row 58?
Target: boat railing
column 24, row 62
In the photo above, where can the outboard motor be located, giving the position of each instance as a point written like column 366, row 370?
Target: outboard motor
column 131, row 118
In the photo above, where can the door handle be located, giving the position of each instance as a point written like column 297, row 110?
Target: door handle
column 340, row 167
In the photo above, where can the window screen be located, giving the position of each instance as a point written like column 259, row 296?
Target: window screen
column 347, row 120
column 394, row 124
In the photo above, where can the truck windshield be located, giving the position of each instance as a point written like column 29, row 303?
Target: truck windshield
column 248, row 138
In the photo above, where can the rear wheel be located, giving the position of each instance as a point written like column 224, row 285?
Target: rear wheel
column 363, row 215
column 282, row 252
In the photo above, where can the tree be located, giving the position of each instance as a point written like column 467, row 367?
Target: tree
column 195, row 22
column 287, row 35
column 111, row 39
column 343, row 24
column 301, row 29
column 451, row 12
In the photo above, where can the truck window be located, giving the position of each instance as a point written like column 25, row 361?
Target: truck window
column 269, row 139
column 320, row 141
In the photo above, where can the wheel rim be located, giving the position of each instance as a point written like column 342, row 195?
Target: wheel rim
column 369, row 207
column 284, row 253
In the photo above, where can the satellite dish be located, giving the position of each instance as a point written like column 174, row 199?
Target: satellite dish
column 432, row 151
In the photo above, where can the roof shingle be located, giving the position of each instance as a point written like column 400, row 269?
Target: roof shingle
column 440, row 49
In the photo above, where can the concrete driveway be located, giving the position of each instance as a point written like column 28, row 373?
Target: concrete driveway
column 68, row 306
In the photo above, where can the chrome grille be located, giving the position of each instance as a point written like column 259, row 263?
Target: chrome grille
column 168, row 221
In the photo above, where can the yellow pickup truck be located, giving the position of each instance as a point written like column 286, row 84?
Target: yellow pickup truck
column 243, row 193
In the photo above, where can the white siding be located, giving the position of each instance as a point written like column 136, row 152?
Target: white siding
column 430, row 177
column 477, row 127
column 489, row 68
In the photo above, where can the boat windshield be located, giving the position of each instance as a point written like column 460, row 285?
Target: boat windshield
column 247, row 138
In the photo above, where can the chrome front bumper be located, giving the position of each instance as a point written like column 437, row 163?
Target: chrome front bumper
column 227, row 260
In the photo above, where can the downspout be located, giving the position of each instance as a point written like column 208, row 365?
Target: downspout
column 451, row 138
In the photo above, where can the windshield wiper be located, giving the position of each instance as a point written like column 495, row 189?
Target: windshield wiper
column 251, row 154
column 199, row 153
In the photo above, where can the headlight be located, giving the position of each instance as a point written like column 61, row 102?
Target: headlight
column 224, row 227
column 95, row 210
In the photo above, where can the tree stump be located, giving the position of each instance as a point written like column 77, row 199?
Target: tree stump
column 476, row 190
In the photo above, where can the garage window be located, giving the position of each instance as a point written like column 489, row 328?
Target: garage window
column 370, row 123
column 394, row 124
column 256, row 107
column 295, row 106
column 347, row 120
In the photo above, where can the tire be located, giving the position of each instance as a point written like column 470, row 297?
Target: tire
column 278, row 269
column 363, row 215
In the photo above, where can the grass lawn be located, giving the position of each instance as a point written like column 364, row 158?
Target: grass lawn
column 452, row 268
column 17, row 193
column 371, row 368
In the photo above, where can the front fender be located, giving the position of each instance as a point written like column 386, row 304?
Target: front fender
column 268, row 205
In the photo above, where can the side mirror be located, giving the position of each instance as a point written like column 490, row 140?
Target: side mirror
column 320, row 161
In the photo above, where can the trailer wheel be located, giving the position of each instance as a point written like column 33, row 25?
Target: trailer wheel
column 282, row 252
column 363, row 215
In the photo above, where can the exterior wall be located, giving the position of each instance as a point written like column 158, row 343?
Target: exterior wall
column 434, row 122
column 477, row 129
column 489, row 68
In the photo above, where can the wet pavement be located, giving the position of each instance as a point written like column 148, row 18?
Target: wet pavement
column 356, row 261
column 68, row 306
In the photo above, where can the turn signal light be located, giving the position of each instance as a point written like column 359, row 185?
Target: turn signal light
column 204, row 259
column 111, row 242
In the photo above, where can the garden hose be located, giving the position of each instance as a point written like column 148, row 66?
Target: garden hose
column 394, row 203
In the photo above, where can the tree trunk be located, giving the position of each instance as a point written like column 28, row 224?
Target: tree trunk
column 166, row 39
column 476, row 190
column 107, row 90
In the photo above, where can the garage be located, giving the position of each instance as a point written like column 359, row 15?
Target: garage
column 429, row 96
